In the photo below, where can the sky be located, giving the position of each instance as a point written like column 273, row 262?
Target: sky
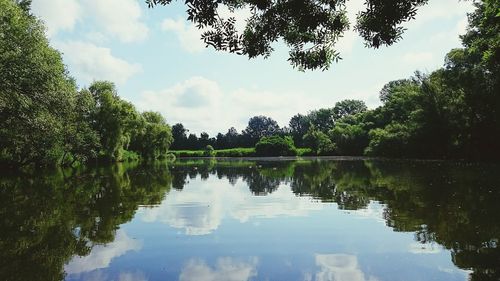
column 158, row 62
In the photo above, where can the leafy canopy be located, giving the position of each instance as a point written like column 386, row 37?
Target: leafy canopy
column 310, row 28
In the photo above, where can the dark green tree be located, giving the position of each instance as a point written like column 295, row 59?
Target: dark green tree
column 259, row 127
column 179, row 133
column 36, row 92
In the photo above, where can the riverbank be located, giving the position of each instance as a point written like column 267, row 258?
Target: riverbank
column 232, row 152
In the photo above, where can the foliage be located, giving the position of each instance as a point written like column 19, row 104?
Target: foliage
column 209, row 151
column 259, row 127
column 153, row 137
column 235, row 152
column 319, row 142
column 179, row 134
column 349, row 139
column 55, row 216
column 232, row 152
column 36, row 93
column 310, row 28
column 348, row 107
column 275, row 146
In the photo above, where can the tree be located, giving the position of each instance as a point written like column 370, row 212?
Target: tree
column 36, row 92
column 192, row 142
column 81, row 140
column 299, row 124
column 323, row 119
column 310, row 28
column 275, row 146
column 348, row 107
column 108, row 118
column 204, row 140
column 392, row 87
column 259, row 127
column 349, row 139
column 154, row 138
column 232, row 137
column 179, row 135
column 319, row 142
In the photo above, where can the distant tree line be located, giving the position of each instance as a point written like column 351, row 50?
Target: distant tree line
column 46, row 120
column 453, row 112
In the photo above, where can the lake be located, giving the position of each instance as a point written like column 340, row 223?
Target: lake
column 253, row 219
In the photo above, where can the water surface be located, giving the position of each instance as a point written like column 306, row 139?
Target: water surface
column 312, row 219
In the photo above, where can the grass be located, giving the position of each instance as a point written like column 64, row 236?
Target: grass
column 232, row 152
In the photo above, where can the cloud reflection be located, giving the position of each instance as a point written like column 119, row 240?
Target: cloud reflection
column 201, row 206
column 226, row 269
column 339, row 267
column 101, row 255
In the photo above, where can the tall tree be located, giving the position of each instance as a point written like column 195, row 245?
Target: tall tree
column 179, row 133
column 36, row 92
column 261, row 126
column 348, row 107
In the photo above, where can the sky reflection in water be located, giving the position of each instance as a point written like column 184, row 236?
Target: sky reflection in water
column 293, row 220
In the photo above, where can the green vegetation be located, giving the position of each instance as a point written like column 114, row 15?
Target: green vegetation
column 56, row 216
column 46, row 120
column 449, row 113
column 309, row 28
column 275, row 146
column 232, row 152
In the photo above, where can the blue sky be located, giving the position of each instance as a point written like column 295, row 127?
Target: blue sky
column 158, row 62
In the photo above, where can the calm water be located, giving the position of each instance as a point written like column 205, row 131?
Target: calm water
column 356, row 220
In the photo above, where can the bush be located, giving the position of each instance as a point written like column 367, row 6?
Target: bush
column 319, row 142
column 209, row 151
column 392, row 141
column 349, row 139
column 275, row 146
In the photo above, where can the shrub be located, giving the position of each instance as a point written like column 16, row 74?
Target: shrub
column 319, row 142
column 275, row 146
column 209, row 151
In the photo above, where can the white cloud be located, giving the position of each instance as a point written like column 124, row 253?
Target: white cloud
column 120, row 18
column 101, row 255
column 202, row 105
column 132, row 276
column 57, row 14
column 117, row 18
column 96, row 37
column 350, row 38
column 89, row 62
column 188, row 35
column 418, row 57
column 240, row 15
column 339, row 267
column 200, row 210
column 440, row 10
column 226, row 269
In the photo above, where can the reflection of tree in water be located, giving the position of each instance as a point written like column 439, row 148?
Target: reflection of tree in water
column 48, row 219
column 453, row 204
column 262, row 177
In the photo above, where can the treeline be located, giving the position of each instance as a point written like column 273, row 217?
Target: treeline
column 260, row 127
column 453, row 112
column 46, row 120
